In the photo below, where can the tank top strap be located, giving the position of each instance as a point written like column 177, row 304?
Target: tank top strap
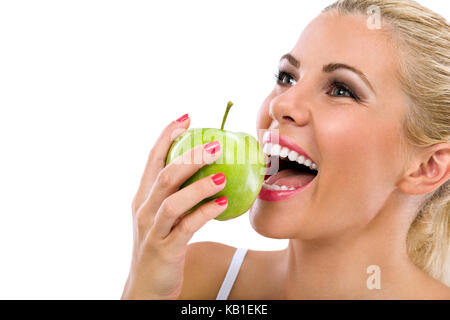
column 232, row 273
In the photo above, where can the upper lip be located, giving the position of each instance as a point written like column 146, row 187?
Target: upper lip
column 275, row 137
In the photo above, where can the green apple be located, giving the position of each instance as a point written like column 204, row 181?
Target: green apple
column 242, row 161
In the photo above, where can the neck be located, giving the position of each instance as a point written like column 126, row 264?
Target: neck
column 340, row 267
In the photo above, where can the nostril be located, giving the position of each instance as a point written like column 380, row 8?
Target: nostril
column 289, row 118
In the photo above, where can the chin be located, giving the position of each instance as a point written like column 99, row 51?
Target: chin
column 273, row 221
column 277, row 223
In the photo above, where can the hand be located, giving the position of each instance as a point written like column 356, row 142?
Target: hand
column 161, row 227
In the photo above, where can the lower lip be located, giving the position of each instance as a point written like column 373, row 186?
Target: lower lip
column 280, row 195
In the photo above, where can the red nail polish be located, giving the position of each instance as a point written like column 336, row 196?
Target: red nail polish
column 222, row 201
column 218, row 178
column 212, row 147
column 183, row 118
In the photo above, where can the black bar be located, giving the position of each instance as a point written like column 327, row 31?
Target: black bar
column 231, row 309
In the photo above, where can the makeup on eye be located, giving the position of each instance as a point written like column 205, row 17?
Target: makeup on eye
column 340, row 89
column 334, row 87
column 280, row 77
column 330, row 68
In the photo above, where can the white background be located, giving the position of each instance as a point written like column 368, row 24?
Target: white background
column 85, row 89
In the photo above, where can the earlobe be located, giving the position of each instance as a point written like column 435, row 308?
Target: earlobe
column 430, row 173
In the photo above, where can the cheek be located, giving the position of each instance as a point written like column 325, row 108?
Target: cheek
column 358, row 166
column 360, row 145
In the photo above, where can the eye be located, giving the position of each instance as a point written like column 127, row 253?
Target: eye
column 338, row 89
column 283, row 78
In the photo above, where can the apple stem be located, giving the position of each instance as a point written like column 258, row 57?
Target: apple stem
column 229, row 105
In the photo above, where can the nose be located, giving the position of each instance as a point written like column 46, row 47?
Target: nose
column 291, row 107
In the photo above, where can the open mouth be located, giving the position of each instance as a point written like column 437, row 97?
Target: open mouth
column 293, row 171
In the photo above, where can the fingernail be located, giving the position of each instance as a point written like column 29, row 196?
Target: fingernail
column 183, row 118
column 218, row 178
column 222, row 201
column 212, row 147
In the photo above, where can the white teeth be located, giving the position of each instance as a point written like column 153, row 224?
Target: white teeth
column 277, row 188
column 266, row 135
column 267, row 147
column 283, row 152
column 270, row 186
column 293, row 155
column 275, row 151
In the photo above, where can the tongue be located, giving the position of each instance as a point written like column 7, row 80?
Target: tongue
column 291, row 178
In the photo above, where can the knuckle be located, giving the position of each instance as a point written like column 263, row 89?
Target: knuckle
column 150, row 238
column 152, row 246
column 164, row 179
column 186, row 228
column 154, row 156
column 202, row 211
column 143, row 216
column 168, row 209
column 205, row 188
column 141, row 220
column 153, row 153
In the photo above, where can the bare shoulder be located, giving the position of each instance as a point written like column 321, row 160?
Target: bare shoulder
column 260, row 277
column 204, row 270
column 207, row 264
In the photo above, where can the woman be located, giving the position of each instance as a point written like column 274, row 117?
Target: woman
column 369, row 101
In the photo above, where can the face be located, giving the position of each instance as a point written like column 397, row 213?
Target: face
column 338, row 99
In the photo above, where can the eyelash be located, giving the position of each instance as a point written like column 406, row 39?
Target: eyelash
column 333, row 84
column 279, row 77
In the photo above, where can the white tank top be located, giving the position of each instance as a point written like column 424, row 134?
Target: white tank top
column 232, row 273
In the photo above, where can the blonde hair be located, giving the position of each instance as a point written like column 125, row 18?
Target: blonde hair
column 424, row 71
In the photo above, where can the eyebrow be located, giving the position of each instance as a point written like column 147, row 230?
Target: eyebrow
column 289, row 57
column 335, row 66
column 330, row 68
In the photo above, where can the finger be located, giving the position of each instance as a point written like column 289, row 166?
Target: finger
column 157, row 157
column 177, row 172
column 191, row 223
column 178, row 203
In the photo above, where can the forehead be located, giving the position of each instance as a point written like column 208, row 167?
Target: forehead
column 332, row 37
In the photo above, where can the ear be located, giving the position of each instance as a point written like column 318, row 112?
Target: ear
column 429, row 171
